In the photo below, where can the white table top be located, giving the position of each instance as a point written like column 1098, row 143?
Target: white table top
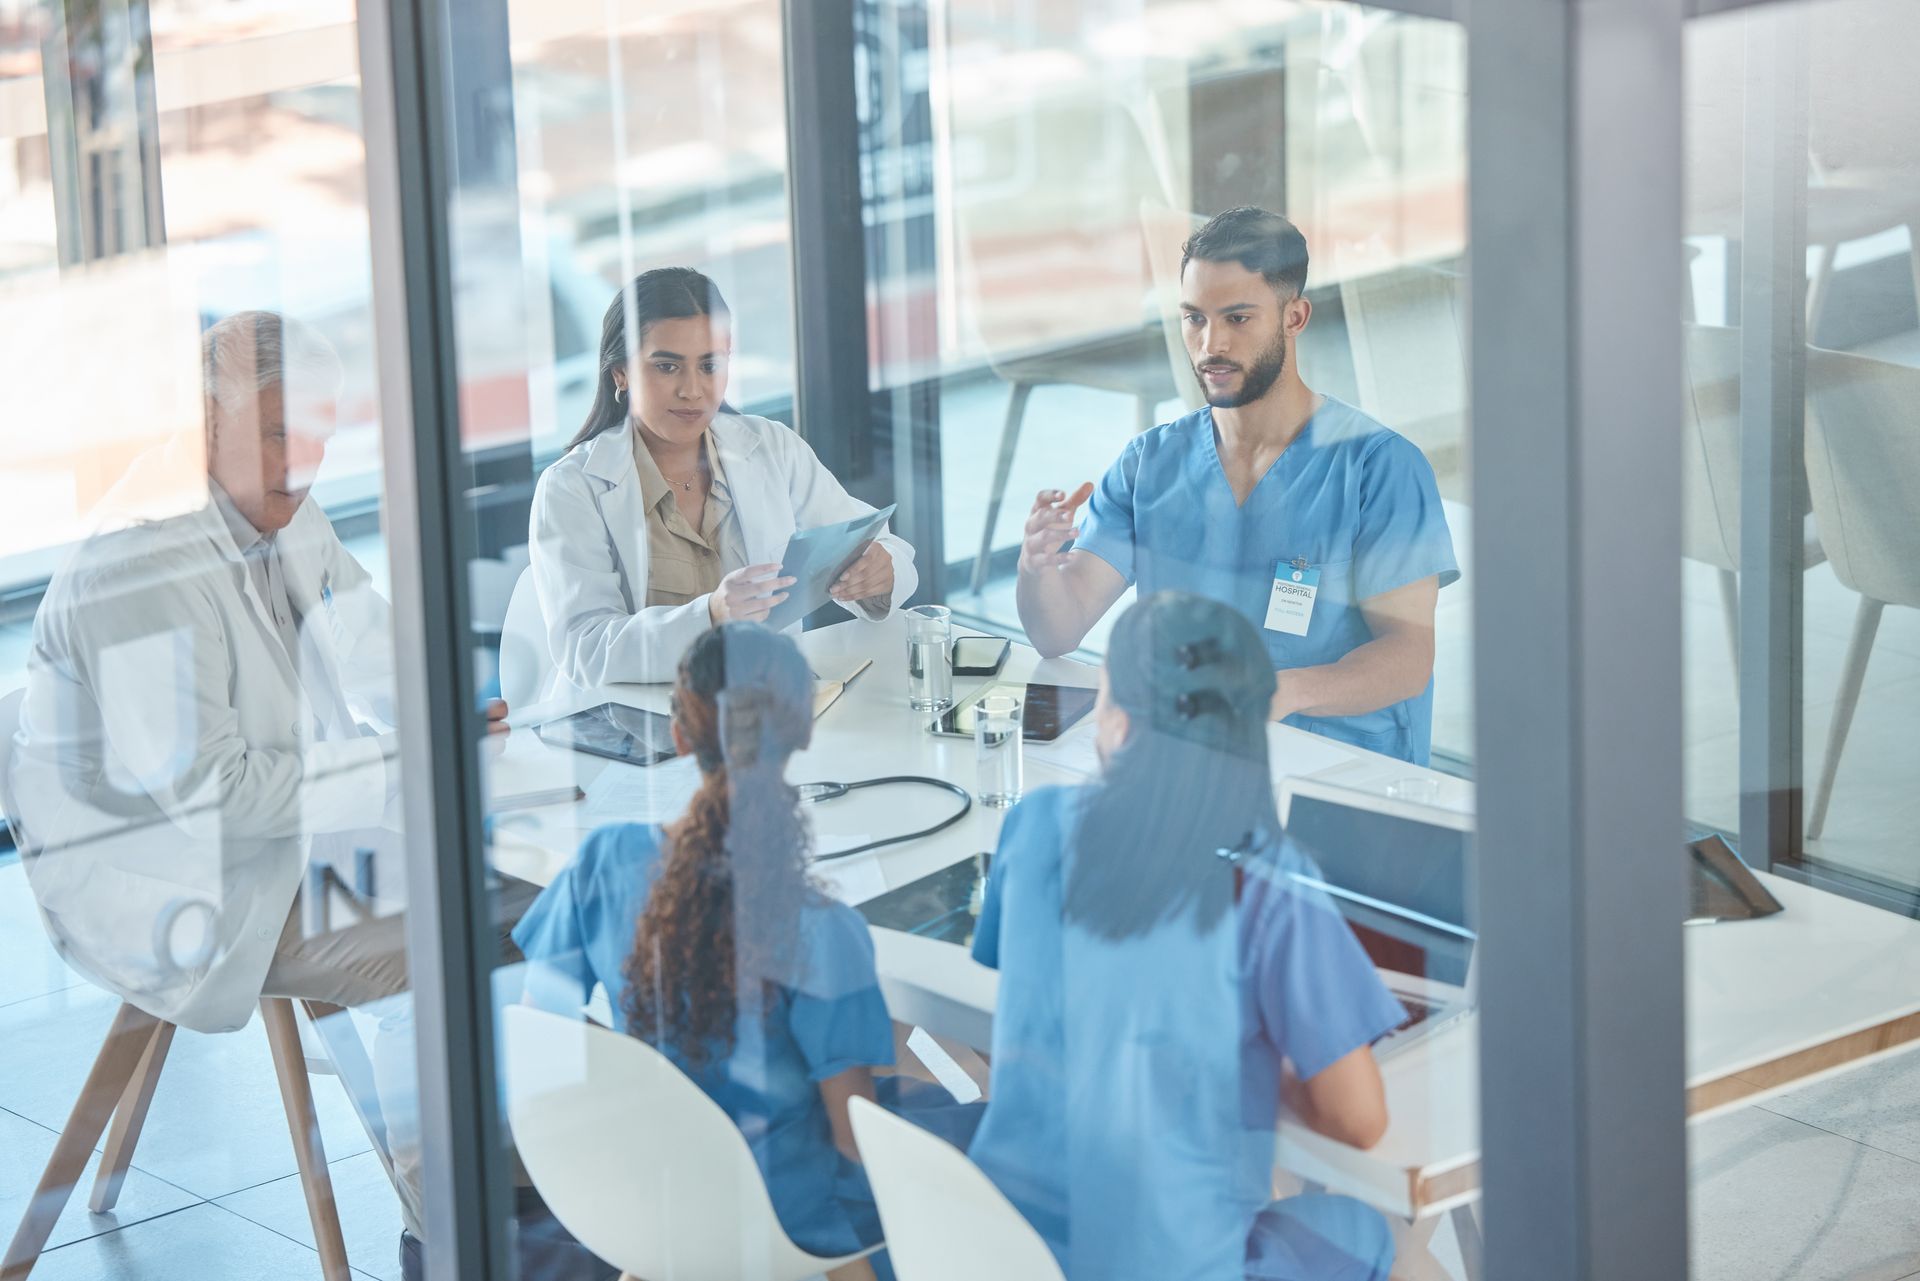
column 1772, row 1003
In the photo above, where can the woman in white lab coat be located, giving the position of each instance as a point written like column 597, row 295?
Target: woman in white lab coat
column 670, row 511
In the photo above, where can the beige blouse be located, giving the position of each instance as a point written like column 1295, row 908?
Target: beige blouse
column 684, row 563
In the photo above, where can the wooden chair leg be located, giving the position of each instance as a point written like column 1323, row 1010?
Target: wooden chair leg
column 352, row 1065
column 128, row 1119
column 127, row 1041
column 296, row 1094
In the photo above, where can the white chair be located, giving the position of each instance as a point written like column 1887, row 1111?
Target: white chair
column 637, row 1162
column 944, row 1219
column 120, row 1088
column 1071, row 151
column 525, row 661
column 1710, row 470
column 1404, row 329
column 1863, row 470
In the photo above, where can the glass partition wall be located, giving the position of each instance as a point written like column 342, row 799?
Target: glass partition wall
column 204, row 889
column 1799, row 341
column 567, row 1016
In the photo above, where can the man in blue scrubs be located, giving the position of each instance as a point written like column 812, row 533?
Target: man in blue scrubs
column 1320, row 525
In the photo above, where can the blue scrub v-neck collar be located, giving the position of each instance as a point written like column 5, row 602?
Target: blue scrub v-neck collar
column 1218, row 469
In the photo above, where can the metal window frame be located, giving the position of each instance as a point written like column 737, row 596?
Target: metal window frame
column 1773, row 362
column 1575, row 369
column 405, row 48
column 106, row 171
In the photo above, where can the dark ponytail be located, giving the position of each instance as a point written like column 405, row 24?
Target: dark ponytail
column 665, row 293
column 723, row 916
column 1189, row 793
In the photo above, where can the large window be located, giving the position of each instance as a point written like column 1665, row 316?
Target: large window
column 1367, row 783
column 1802, row 381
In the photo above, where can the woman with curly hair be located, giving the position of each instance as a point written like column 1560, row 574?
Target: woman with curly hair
column 717, row 947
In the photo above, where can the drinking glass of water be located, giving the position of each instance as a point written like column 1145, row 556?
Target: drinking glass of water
column 929, row 662
column 996, row 742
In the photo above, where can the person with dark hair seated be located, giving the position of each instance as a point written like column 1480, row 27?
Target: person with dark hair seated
column 670, row 510
column 1318, row 524
column 1169, row 973
column 716, row 946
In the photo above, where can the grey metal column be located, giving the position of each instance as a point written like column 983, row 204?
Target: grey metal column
column 1773, row 362
column 103, row 129
column 451, row 948
column 1575, row 180
column 831, row 405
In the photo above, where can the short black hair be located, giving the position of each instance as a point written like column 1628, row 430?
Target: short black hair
column 1259, row 240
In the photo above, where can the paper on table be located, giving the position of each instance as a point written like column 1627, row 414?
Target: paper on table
column 525, row 772
column 1073, row 750
column 640, row 794
column 850, row 880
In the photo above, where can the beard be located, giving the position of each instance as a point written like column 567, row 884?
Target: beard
column 1255, row 382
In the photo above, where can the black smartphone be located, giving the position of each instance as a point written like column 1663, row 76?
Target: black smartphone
column 980, row 655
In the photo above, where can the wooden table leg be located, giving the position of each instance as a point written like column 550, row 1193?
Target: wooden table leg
column 127, row 1041
column 296, row 1094
column 128, row 1120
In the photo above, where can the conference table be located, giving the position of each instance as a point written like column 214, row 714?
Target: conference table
column 1772, row 1003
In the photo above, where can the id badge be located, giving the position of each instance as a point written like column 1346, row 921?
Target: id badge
column 1290, row 607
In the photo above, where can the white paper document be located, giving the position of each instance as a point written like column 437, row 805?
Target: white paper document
column 640, row 794
column 850, row 880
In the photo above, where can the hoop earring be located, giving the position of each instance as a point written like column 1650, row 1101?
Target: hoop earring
column 620, row 393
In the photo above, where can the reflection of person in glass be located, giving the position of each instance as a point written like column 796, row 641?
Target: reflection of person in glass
column 201, row 696
column 208, row 715
column 715, row 945
column 1314, row 521
column 670, row 511
column 1166, row 981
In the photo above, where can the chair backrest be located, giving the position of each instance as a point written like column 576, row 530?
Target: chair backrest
column 1863, row 470
column 525, row 661
column 1710, row 448
column 1409, row 360
column 944, row 1220
column 636, row 1161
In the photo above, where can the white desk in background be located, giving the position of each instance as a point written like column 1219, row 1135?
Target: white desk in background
column 1772, row 1003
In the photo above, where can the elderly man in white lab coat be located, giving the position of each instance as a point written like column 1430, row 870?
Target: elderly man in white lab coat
column 203, row 696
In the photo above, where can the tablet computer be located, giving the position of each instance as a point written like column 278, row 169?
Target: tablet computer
column 615, row 731
column 815, row 557
column 942, row 905
column 1047, row 711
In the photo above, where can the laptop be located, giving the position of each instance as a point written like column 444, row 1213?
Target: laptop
column 1398, row 871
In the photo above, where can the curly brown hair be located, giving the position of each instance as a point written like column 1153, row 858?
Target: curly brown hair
column 723, row 916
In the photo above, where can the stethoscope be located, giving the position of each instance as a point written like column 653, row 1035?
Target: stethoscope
column 816, row 793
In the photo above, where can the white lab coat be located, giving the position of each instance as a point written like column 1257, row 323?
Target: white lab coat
column 171, row 758
column 589, row 548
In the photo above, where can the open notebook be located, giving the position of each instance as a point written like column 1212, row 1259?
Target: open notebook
column 831, row 676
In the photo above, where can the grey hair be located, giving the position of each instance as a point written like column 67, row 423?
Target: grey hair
column 250, row 351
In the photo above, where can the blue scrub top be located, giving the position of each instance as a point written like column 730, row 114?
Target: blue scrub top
column 1356, row 501
column 827, row 1016
column 1136, row 1082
